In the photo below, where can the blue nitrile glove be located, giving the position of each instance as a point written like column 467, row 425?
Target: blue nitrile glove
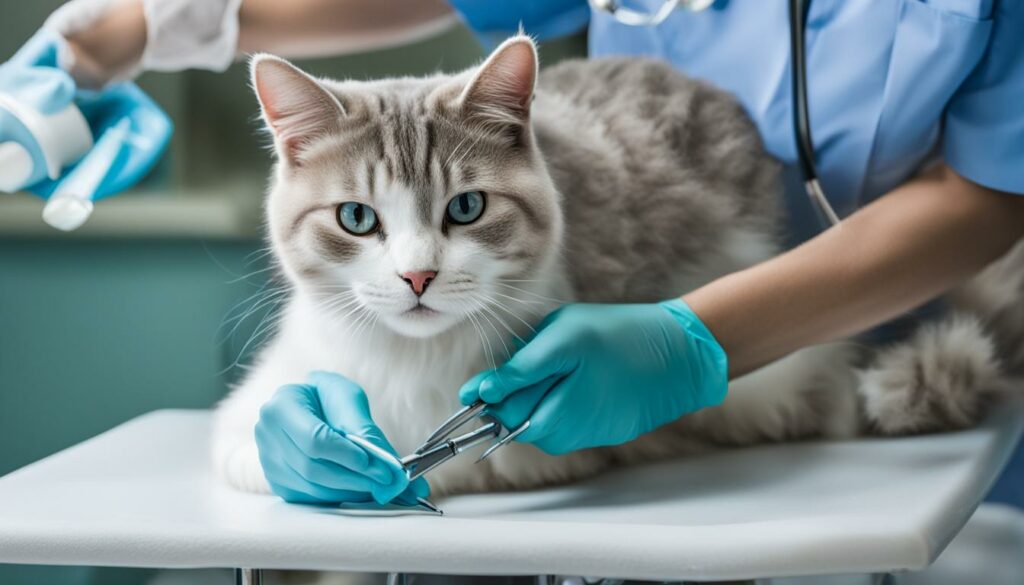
column 306, row 455
column 597, row 375
column 33, row 78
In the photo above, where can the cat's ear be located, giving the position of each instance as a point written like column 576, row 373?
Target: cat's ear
column 502, row 89
column 295, row 107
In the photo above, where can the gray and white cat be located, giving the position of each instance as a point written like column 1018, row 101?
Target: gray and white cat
column 615, row 180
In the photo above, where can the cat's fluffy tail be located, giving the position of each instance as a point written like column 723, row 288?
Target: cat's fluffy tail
column 942, row 377
column 938, row 380
column 996, row 298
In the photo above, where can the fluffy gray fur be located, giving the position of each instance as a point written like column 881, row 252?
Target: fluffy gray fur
column 622, row 181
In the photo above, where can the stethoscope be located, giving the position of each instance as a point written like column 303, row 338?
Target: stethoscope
column 801, row 120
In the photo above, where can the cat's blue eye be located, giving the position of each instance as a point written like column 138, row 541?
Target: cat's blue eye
column 466, row 207
column 357, row 219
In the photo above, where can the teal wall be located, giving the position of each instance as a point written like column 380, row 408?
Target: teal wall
column 93, row 333
column 96, row 332
column 98, row 328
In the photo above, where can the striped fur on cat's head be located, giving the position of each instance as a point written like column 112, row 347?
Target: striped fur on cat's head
column 409, row 199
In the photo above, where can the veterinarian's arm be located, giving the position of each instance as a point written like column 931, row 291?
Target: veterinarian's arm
column 596, row 375
column 889, row 257
column 304, row 28
column 112, row 45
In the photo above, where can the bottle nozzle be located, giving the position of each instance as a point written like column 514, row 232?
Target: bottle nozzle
column 67, row 212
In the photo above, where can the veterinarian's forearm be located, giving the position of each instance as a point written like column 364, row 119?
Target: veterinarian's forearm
column 114, row 43
column 891, row 256
column 109, row 47
column 305, row 28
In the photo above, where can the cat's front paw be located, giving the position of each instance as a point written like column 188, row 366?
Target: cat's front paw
column 240, row 467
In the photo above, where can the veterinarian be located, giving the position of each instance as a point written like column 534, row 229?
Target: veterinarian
column 917, row 110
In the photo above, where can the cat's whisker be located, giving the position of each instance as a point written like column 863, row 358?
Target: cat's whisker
column 351, row 312
column 325, row 295
column 260, row 300
column 341, row 303
column 533, row 308
column 484, row 315
column 483, row 339
column 451, row 163
column 242, row 315
column 262, row 328
column 517, row 299
column 343, row 311
column 221, row 265
column 521, row 280
column 502, row 307
column 365, row 317
column 354, row 317
column 371, row 323
column 262, row 291
column 338, row 297
column 531, row 293
column 329, row 295
column 354, row 329
column 337, row 304
column 488, row 346
column 271, row 304
column 246, row 277
column 258, row 254
column 324, row 300
column 366, row 321
column 489, row 305
column 455, row 151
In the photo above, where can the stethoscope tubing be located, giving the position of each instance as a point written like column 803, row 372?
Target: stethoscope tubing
column 798, row 11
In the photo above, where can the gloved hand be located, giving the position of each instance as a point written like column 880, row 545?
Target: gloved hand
column 598, row 375
column 306, row 455
column 130, row 130
column 33, row 78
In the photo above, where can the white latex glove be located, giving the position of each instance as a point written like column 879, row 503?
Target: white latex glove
column 180, row 34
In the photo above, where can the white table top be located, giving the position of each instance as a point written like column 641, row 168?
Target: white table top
column 142, row 495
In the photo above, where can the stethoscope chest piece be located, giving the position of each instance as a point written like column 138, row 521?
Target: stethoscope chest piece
column 643, row 13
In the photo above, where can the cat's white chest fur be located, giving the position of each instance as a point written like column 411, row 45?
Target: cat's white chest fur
column 412, row 385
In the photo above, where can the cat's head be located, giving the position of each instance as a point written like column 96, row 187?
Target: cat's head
column 414, row 201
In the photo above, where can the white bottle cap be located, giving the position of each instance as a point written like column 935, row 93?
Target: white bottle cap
column 67, row 212
column 15, row 166
column 64, row 137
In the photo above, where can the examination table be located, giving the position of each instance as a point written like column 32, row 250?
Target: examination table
column 143, row 495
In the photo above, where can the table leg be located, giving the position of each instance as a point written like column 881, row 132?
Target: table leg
column 883, row 579
column 397, row 579
column 248, row 576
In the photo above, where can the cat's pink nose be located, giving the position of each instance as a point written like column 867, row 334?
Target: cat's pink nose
column 419, row 279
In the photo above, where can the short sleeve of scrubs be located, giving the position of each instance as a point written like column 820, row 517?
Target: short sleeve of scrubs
column 984, row 123
column 495, row 20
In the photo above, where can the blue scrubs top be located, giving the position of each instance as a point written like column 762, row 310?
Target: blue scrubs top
column 893, row 84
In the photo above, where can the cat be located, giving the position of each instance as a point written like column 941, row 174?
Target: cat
column 606, row 180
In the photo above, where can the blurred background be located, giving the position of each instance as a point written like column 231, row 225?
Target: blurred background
column 158, row 298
